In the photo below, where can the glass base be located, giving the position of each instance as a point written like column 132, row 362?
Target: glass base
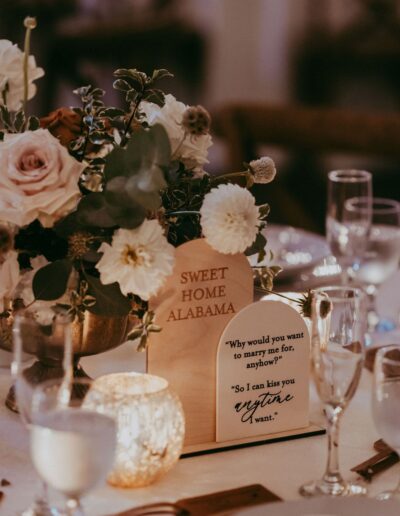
column 394, row 494
column 324, row 488
column 41, row 508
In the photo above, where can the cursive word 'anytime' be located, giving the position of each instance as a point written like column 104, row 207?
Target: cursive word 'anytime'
column 249, row 408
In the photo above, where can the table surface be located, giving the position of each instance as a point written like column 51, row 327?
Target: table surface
column 281, row 467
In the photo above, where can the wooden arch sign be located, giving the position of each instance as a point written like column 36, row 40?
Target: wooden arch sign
column 193, row 308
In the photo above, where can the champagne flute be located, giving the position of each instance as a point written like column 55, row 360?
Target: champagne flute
column 347, row 231
column 72, row 442
column 382, row 254
column 337, row 349
column 386, row 403
column 39, row 336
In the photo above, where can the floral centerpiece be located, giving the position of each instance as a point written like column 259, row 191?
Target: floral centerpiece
column 94, row 199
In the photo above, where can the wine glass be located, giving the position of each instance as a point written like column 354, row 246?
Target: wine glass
column 382, row 254
column 386, row 402
column 347, row 231
column 40, row 336
column 337, row 349
column 72, row 443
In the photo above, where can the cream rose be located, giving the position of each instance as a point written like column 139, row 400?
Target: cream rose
column 11, row 75
column 190, row 149
column 38, row 178
column 9, row 277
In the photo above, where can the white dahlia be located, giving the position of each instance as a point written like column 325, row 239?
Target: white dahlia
column 138, row 259
column 229, row 219
column 12, row 76
column 191, row 149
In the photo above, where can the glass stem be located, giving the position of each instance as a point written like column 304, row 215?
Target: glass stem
column 40, row 503
column 332, row 474
column 372, row 316
column 74, row 507
column 397, row 488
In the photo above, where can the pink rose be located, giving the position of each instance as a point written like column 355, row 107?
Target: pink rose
column 38, row 178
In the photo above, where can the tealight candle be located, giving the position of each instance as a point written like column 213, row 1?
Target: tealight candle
column 150, row 426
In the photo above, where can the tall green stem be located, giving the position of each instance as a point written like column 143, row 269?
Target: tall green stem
column 30, row 24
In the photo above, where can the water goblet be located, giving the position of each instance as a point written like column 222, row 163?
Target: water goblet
column 337, row 349
column 386, row 403
column 72, row 442
column 382, row 254
column 347, row 231
column 38, row 334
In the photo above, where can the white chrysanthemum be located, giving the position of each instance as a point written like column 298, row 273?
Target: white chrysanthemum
column 11, row 75
column 138, row 259
column 190, row 149
column 263, row 170
column 229, row 219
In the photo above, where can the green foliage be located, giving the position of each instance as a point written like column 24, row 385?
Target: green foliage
column 258, row 246
column 109, row 298
column 130, row 176
column 97, row 121
column 143, row 329
column 138, row 86
column 50, row 282
column 34, row 240
column 133, row 179
column 265, row 276
column 182, row 200
column 16, row 122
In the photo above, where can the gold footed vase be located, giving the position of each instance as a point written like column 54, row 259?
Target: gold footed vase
column 94, row 335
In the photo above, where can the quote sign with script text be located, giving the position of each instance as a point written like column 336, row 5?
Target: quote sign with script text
column 263, row 372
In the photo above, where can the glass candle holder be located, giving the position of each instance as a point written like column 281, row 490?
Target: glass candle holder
column 150, row 426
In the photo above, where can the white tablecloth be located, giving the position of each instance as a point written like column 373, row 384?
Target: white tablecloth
column 281, row 467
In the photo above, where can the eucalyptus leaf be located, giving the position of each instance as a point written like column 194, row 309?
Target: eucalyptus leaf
column 50, row 282
column 146, row 148
column 127, row 216
column 93, row 211
column 149, row 198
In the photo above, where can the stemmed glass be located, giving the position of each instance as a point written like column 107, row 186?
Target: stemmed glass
column 386, row 402
column 48, row 339
column 72, row 442
column 337, row 349
column 382, row 254
column 347, row 231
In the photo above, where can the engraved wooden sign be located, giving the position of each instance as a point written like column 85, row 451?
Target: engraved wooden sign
column 198, row 300
column 263, row 372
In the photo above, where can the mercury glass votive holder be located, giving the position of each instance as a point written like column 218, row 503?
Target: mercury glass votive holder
column 150, row 426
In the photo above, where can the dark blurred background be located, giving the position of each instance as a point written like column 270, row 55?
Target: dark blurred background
column 337, row 59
